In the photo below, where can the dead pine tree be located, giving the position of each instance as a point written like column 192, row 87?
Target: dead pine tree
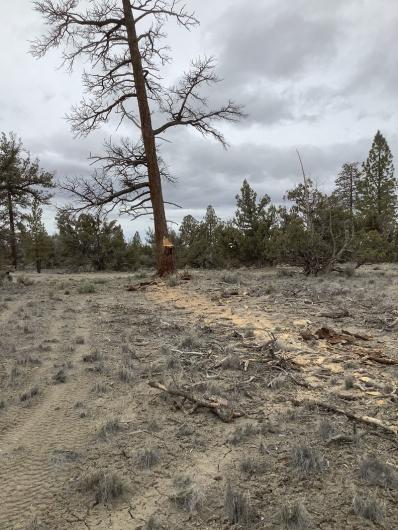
column 121, row 39
column 326, row 228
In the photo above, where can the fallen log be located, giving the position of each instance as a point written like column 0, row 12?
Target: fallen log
column 218, row 406
column 141, row 285
column 387, row 361
column 367, row 420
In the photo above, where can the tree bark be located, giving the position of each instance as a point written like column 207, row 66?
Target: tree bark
column 164, row 257
column 13, row 241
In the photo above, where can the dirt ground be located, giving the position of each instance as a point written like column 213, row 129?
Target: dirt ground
column 300, row 375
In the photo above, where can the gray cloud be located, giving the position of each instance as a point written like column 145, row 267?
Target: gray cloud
column 275, row 40
column 207, row 175
column 316, row 74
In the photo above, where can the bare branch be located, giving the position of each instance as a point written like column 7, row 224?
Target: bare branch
column 185, row 105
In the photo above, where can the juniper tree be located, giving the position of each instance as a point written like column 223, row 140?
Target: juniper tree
column 346, row 187
column 21, row 181
column 121, row 39
column 377, row 199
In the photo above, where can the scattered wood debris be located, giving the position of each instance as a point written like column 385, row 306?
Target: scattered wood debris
column 337, row 314
column 219, row 406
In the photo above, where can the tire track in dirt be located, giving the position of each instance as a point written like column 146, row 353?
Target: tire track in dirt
column 29, row 480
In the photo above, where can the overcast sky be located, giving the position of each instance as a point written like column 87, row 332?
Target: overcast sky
column 318, row 75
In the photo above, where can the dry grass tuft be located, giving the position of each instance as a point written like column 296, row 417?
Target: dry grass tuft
column 125, row 375
column 28, row 359
column 110, row 428
column 369, row 508
column 378, row 473
column 15, row 373
column 189, row 496
column 349, row 382
column 106, row 486
column 243, row 433
column 99, row 388
column 326, row 429
column 295, row 516
column 152, row 524
column 237, row 507
column 60, row 377
column 147, row 458
column 249, row 333
column 232, row 362
column 34, row 524
column 191, row 342
column 92, row 357
column 251, row 466
column 26, row 396
column 308, row 460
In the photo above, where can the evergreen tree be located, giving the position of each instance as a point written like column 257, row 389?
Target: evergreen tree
column 377, row 199
column 89, row 240
column 36, row 241
column 253, row 219
column 21, row 181
column 346, row 187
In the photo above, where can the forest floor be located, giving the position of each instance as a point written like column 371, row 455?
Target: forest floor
column 298, row 377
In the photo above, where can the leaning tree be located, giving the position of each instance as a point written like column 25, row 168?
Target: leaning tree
column 122, row 41
column 21, row 182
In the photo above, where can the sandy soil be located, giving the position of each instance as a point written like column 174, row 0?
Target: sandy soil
column 86, row 442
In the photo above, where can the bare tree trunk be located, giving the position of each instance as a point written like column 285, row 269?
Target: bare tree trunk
column 164, row 257
column 13, row 241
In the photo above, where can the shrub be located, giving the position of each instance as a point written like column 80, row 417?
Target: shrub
column 173, row 281
column 24, row 280
column 230, row 278
column 86, row 288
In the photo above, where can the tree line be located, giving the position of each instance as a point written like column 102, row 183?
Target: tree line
column 357, row 222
